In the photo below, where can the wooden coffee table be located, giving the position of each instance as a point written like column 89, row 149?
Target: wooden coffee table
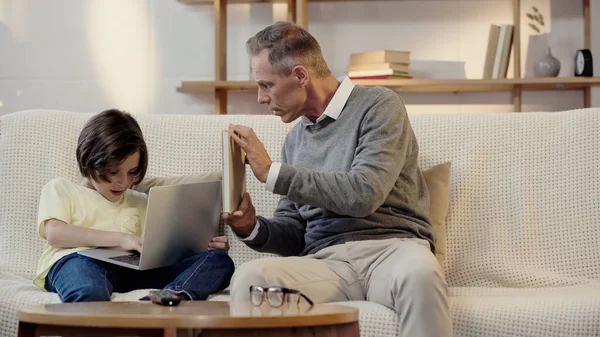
column 196, row 318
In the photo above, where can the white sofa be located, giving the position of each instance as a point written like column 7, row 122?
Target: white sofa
column 523, row 227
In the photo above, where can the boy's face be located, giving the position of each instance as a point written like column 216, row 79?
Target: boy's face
column 120, row 179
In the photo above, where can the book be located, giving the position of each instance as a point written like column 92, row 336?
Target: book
column 380, row 72
column 378, row 66
column 499, row 45
column 380, row 56
column 234, row 173
column 498, row 51
column 490, row 54
column 506, row 48
column 381, row 77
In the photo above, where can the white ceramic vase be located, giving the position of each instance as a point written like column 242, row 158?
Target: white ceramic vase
column 548, row 66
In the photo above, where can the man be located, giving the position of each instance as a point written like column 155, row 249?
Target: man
column 353, row 217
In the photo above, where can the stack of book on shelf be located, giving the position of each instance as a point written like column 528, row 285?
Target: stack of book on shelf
column 380, row 64
column 498, row 52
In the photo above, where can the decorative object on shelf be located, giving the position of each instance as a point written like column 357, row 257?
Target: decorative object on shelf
column 548, row 66
column 584, row 64
column 539, row 57
column 537, row 18
column 536, row 47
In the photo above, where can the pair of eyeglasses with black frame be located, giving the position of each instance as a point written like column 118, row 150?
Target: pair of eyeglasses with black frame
column 275, row 296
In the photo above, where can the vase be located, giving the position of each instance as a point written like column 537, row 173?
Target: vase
column 548, row 66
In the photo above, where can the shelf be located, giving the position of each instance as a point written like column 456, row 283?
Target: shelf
column 211, row 86
column 421, row 86
column 297, row 11
column 207, row 2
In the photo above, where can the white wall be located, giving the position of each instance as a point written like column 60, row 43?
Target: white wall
column 595, row 11
column 90, row 55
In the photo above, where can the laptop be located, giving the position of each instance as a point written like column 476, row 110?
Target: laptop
column 180, row 222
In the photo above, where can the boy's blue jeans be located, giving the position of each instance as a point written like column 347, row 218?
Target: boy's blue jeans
column 77, row 278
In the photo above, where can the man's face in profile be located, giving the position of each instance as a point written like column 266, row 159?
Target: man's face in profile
column 284, row 95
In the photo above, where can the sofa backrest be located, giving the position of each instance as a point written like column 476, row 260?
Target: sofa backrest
column 524, row 199
column 38, row 145
column 524, row 204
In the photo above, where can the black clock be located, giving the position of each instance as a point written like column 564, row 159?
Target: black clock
column 584, row 65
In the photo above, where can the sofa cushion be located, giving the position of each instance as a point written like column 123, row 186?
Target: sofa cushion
column 479, row 311
column 523, row 312
column 437, row 179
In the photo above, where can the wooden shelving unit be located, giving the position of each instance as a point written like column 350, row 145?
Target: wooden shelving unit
column 422, row 86
column 200, row 2
column 298, row 12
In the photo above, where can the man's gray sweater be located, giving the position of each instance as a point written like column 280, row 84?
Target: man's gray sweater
column 354, row 178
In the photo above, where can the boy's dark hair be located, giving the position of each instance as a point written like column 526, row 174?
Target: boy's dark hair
column 107, row 139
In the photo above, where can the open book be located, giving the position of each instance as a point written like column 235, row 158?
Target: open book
column 234, row 173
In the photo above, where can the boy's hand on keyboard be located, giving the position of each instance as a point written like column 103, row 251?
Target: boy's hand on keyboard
column 219, row 242
column 130, row 242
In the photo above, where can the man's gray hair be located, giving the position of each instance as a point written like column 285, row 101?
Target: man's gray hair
column 288, row 45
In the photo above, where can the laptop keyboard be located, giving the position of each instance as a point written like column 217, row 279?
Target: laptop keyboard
column 133, row 259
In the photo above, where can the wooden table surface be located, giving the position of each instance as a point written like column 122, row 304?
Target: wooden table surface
column 194, row 314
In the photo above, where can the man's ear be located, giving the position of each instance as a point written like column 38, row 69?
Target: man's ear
column 301, row 74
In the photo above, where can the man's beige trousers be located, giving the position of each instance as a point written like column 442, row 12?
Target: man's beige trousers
column 401, row 274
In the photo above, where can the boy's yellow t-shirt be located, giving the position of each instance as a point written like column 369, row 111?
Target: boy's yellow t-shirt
column 78, row 205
